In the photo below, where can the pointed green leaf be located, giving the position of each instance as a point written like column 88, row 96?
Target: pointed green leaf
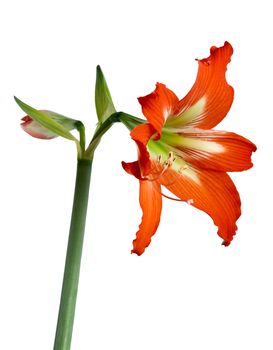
column 48, row 122
column 104, row 104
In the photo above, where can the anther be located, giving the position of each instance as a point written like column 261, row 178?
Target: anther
column 184, row 167
column 170, row 159
column 166, row 165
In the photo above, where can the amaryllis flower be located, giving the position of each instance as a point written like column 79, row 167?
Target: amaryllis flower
column 178, row 149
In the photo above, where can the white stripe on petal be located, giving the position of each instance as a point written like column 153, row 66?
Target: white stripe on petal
column 185, row 116
column 191, row 174
column 208, row 146
column 181, row 167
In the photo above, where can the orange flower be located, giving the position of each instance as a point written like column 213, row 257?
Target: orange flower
column 178, row 149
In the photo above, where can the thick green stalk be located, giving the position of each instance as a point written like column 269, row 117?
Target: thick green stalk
column 73, row 257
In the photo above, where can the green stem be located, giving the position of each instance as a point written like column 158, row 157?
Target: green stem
column 76, row 234
column 81, row 130
column 73, row 257
column 130, row 121
column 100, row 131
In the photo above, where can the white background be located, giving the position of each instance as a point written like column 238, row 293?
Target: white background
column 186, row 291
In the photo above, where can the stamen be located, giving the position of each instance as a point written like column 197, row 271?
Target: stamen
column 157, row 175
column 184, row 167
column 189, row 201
column 172, row 198
column 170, row 159
column 166, row 165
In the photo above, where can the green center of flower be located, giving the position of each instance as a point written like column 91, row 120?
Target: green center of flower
column 170, row 157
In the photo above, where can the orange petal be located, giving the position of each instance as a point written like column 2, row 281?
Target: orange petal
column 158, row 105
column 132, row 169
column 210, row 191
column 210, row 98
column 215, row 150
column 141, row 134
column 151, row 203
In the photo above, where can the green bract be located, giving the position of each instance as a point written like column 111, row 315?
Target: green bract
column 104, row 104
